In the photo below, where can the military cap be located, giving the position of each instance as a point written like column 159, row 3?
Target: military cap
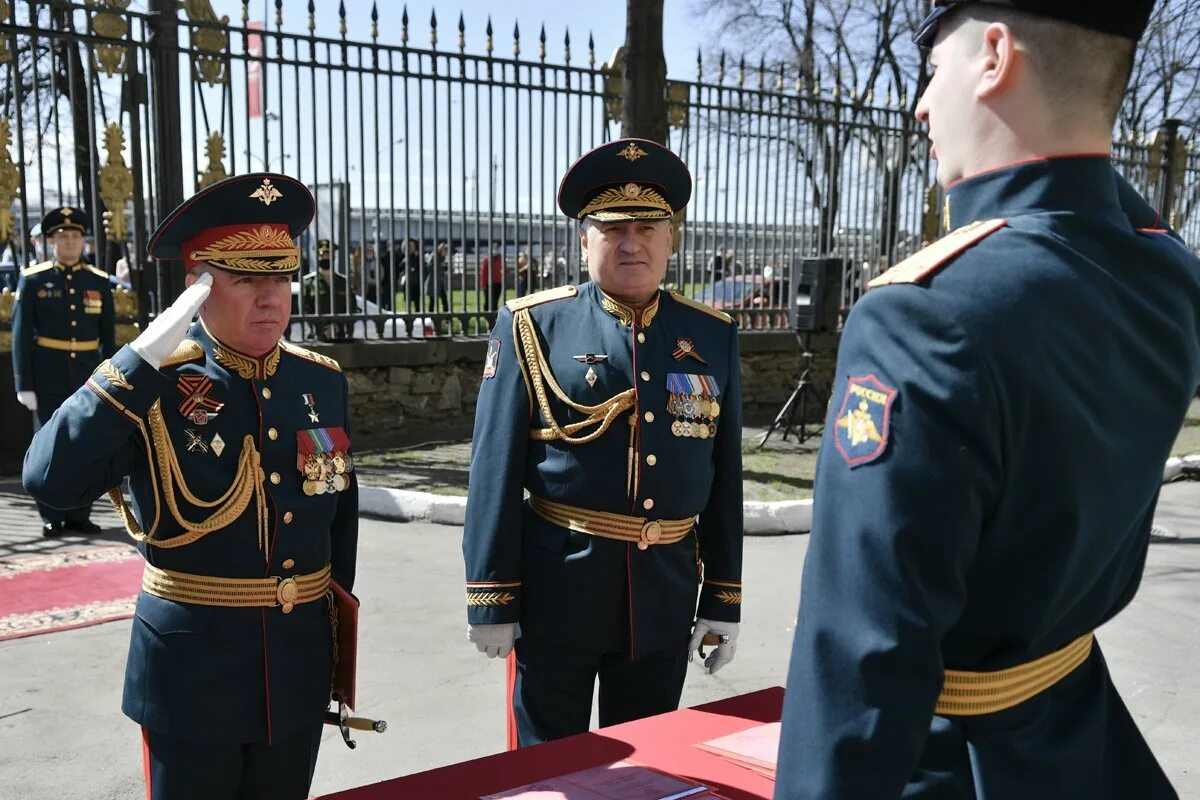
column 625, row 179
column 247, row 224
column 1126, row 19
column 325, row 249
column 64, row 218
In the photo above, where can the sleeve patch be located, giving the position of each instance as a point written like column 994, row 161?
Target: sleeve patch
column 864, row 420
column 492, row 360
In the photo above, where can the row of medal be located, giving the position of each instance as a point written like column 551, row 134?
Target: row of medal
column 326, row 473
column 692, row 400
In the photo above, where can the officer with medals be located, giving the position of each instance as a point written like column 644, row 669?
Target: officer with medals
column 244, row 501
column 1004, row 402
column 62, row 326
column 617, row 406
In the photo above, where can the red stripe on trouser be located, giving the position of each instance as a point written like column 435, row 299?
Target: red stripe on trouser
column 146, row 762
column 510, row 686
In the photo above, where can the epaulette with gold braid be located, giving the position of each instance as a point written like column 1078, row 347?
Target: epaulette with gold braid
column 696, row 304
column 316, row 358
column 925, row 262
column 544, row 296
column 36, row 268
column 188, row 350
column 96, row 271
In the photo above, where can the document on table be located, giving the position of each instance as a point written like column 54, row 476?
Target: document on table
column 620, row 780
column 755, row 748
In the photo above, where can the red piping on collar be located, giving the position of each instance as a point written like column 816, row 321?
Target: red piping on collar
column 1039, row 160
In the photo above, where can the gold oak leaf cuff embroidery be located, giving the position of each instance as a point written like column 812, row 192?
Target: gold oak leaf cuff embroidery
column 114, row 376
column 729, row 597
column 490, row 598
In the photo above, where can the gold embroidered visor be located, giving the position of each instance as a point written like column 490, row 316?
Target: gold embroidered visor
column 254, row 249
column 625, row 202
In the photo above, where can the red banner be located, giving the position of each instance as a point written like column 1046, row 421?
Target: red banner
column 254, row 49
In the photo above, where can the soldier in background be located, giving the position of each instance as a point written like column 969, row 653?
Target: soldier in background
column 324, row 293
column 63, row 325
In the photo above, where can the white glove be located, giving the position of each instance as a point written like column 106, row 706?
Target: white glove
column 164, row 334
column 28, row 399
column 495, row 640
column 728, row 631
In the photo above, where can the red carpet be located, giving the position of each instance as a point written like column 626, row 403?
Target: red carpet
column 56, row 592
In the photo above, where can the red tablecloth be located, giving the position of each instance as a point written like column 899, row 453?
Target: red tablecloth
column 664, row 742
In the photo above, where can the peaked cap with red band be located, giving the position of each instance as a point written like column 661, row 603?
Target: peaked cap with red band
column 246, row 224
column 625, row 179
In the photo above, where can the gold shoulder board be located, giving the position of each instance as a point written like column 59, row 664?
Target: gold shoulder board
column 696, row 304
column 188, row 350
column 96, row 271
column 316, row 358
column 545, row 296
column 36, row 268
column 926, row 262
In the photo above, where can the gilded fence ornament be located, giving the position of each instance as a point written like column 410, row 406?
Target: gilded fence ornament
column 614, row 83
column 6, row 52
column 108, row 23
column 125, row 304
column 10, row 182
column 215, row 171
column 116, row 182
column 210, row 58
column 8, row 299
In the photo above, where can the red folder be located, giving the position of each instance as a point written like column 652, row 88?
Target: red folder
column 345, row 670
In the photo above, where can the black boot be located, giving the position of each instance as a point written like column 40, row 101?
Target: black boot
column 52, row 530
column 83, row 526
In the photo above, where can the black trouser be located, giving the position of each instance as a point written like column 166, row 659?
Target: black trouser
column 181, row 769
column 552, row 697
column 495, row 292
column 48, row 514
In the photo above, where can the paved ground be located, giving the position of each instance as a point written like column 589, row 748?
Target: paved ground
column 62, row 735
column 781, row 470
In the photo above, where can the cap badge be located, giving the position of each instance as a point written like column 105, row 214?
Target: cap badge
column 266, row 193
column 632, row 152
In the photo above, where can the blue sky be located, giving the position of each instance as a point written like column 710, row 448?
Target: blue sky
column 370, row 170
column 684, row 30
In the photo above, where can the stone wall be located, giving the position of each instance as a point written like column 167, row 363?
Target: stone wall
column 771, row 366
column 410, row 392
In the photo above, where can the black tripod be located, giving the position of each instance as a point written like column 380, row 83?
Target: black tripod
column 805, row 393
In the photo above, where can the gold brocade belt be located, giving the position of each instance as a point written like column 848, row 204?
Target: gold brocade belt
column 63, row 344
column 966, row 694
column 205, row 590
column 635, row 530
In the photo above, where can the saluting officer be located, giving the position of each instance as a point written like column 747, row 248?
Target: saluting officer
column 1004, row 403
column 62, row 326
column 245, row 502
column 617, row 406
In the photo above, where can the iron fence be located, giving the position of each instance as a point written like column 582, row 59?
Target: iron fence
column 425, row 158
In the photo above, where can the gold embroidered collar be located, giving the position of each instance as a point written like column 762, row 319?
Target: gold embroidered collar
column 68, row 267
column 627, row 314
column 248, row 367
